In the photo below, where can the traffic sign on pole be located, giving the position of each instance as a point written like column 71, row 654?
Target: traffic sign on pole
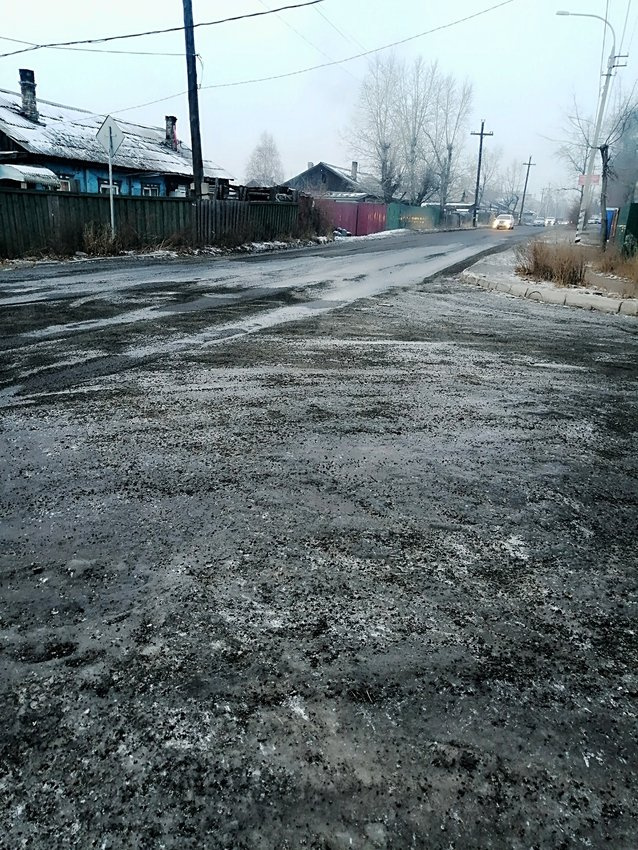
column 110, row 136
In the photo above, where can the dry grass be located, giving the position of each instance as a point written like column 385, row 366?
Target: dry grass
column 621, row 263
column 562, row 263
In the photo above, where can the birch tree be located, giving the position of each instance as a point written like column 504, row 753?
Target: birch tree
column 264, row 165
column 414, row 114
column 446, row 132
column 374, row 135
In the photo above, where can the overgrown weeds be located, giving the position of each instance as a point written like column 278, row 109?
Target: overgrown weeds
column 622, row 263
column 98, row 241
column 563, row 264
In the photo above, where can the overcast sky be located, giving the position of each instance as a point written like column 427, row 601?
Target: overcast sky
column 525, row 63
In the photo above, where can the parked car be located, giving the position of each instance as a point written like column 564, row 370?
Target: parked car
column 341, row 231
column 504, row 222
column 539, row 222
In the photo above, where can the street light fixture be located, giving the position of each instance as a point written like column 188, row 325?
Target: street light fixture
column 585, row 199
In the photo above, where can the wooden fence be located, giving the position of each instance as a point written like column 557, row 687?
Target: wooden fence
column 235, row 222
column 36, row 222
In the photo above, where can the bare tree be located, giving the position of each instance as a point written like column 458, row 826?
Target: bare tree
column 374, row 134
column 511, row 186
column 489, row 172
column 264, row 165
column 445, row 134
column 622, row 119
column 414, row 113
column 579, row 138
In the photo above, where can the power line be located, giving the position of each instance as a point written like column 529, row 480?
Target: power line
column 308, row 41
column 160, row 32
column 624, row 29
column 95, row 49
column 602, row 49
column 323, row 65
column 364, row 53
column 341, row 33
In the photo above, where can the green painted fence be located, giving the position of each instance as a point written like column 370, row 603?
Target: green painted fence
column 35, row 222
column 412, row 218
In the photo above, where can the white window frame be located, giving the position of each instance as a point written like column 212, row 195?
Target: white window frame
column 103, row 188
column 151, row 190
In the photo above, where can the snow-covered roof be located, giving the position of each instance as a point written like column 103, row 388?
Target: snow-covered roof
column 29, row 174
column 64, row 132
column 364, row 181
column 346, row 196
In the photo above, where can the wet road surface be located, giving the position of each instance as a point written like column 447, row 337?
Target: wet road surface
column 365, row 578
column 199, row 301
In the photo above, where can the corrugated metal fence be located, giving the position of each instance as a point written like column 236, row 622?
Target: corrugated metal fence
column 364, row 218
column 35, row 222
column 359, row 219
column 412, row 218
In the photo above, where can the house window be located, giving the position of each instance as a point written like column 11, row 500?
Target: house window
column 150, row 190
column 103, row 186
column 65, row 184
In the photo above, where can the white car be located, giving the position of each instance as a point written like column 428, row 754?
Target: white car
column 503, row 222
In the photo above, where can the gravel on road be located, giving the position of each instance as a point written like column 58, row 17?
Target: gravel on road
column 366, row 580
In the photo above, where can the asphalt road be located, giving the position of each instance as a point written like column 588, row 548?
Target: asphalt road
column 66, row 322
column 312, row 551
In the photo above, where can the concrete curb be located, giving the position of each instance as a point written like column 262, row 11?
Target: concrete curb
column 553, row 295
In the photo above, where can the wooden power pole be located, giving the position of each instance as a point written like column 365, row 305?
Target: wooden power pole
column 529, row 164
column 193, row 98
column 482, row 134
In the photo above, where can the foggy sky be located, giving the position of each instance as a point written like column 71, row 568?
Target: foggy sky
column 526, row 66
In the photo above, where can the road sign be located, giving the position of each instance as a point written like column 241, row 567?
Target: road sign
column 110, row 136
column 583, row 179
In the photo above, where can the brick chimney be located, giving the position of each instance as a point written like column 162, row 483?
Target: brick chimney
column 171, row 132
column 310, row 165
column 355, row 168
column 27, row 88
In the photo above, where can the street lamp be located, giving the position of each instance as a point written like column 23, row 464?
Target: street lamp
column 585, row 199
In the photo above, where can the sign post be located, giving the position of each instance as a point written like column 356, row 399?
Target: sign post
column 110, row 137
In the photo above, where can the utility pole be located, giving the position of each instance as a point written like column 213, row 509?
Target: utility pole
column 529, row 164
column 482, row 134
column 193, row 99
column 604, row 152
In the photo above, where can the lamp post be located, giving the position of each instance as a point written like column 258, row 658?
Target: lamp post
column 585, row 199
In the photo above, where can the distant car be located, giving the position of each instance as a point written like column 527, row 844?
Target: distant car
column 550, row 222
column 595, row 219
column 539, row 222
column 504, row 222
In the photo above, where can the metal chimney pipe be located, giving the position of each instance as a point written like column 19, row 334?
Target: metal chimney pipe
column 27, row 89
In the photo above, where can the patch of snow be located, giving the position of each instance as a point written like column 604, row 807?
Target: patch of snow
column 516, row 548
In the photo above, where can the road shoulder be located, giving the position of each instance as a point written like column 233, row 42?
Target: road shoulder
column 496, row 274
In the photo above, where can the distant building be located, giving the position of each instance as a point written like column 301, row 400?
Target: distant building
column 45, row 145
column 337, row 184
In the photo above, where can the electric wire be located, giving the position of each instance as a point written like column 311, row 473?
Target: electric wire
column 365, row 52
column 624, row 29
column 105, row 39
column 602, row 49
column 350, row 38
column 96, row 49
column 308, row 41
column 449, row 25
